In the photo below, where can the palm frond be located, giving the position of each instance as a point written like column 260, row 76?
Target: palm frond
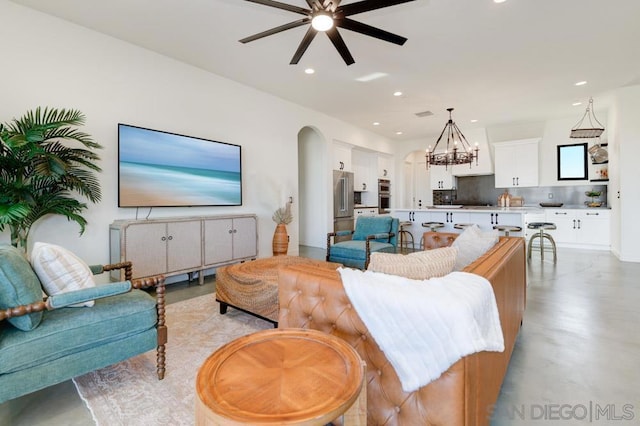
column 12, row 213
column 44, row 159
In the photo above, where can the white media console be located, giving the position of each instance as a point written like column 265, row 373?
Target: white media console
column 183, row 245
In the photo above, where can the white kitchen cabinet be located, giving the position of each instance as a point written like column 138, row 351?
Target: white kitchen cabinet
column 516, row 163
column 174, row 246
column 342, row 157
column 441, row 177
column 580, row 228
column 416, row 218
column 487, row 220
column 364, row 170
column 384, row 166
column 449, row 218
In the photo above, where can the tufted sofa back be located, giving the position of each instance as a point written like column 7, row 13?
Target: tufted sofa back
column 433, row 240
column 464, row 394
column 319, row 302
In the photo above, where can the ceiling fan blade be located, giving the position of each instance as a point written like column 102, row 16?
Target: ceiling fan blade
column 283, row 6
column 367, row 5
column 304, row 44
column 359, row 27
column 276, row 30
column 339, row 44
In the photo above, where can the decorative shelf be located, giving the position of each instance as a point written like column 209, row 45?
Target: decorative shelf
column 598, row 180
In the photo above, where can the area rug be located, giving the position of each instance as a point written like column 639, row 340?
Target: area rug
column 129, row 393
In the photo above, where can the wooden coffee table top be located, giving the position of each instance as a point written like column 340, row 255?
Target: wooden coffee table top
column 281, row 376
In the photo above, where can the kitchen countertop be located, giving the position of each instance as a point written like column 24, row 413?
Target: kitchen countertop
column 496, row 209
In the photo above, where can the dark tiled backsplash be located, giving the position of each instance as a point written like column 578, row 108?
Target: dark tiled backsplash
column 481, row 190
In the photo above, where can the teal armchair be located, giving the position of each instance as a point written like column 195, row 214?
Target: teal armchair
column 44, row 341
column 372, row 234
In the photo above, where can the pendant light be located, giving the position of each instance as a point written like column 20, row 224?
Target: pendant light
column 457, row 150
column 579, row 132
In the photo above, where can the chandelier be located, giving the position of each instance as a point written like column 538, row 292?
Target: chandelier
column 591, row 130
column 458, row 150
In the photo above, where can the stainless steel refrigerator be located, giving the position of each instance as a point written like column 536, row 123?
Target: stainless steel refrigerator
column 342, row 202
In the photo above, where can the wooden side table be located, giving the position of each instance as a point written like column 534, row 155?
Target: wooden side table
column 282, row 377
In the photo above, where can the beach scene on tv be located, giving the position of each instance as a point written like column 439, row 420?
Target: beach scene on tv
column 165, row 169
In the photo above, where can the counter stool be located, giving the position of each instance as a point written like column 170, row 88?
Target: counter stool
column 404, row 235
column 541, row 227
column 507, row 228
column 462, row 225
column 433, row 226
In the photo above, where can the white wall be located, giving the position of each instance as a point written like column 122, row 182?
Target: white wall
column 625, row 173
column 50, row 62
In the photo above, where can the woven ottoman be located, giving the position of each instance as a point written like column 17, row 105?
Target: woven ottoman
column 252, row 286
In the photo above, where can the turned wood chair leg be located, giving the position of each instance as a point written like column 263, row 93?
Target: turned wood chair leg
column 161, row 329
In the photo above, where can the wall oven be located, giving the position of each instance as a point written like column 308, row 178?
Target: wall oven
column 384, row 196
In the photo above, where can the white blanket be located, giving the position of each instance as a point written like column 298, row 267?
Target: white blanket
column 424, row 327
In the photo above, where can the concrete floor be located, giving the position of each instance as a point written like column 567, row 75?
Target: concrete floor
column 575, row 360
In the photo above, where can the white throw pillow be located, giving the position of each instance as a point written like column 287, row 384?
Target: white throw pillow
column 420, row 265
column 61, row 271
column 473, row 243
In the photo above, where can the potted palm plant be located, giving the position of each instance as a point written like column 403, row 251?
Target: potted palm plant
column 282, row 217
column 44, row 161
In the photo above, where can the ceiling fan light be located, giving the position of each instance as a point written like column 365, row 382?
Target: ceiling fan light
column 322, row 21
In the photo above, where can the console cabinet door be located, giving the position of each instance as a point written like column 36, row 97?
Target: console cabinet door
column 245, row 237
column 183, row 245
column 145, row 244
column 218, row 241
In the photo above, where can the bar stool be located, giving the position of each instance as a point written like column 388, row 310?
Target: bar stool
column 403, row 235
column 433, row 226
column 507, row 228
column 541, row 227
column 462, row 225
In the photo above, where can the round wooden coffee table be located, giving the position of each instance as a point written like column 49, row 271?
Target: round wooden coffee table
column 282, row 377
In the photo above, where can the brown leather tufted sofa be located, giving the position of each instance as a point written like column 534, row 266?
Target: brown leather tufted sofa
column 464, row 394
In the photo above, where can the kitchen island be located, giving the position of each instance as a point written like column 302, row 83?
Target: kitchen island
column 578, row 226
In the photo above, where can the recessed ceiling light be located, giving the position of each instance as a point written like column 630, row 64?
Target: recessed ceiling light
column 576, row 103
column 581, row 83
column 375, row 123
column 397, row 93
column 309, row 71
column 499, row 1
column 474, row 121
column 398, row 133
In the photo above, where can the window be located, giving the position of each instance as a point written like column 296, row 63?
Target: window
column 572, row 162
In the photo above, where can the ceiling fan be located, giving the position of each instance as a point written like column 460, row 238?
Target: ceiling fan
column 326, row 16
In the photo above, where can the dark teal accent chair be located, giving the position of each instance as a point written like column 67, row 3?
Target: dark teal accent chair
column 372, row 234
column 44, row 341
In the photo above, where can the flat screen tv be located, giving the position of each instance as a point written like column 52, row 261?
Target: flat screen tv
column 162, row 169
